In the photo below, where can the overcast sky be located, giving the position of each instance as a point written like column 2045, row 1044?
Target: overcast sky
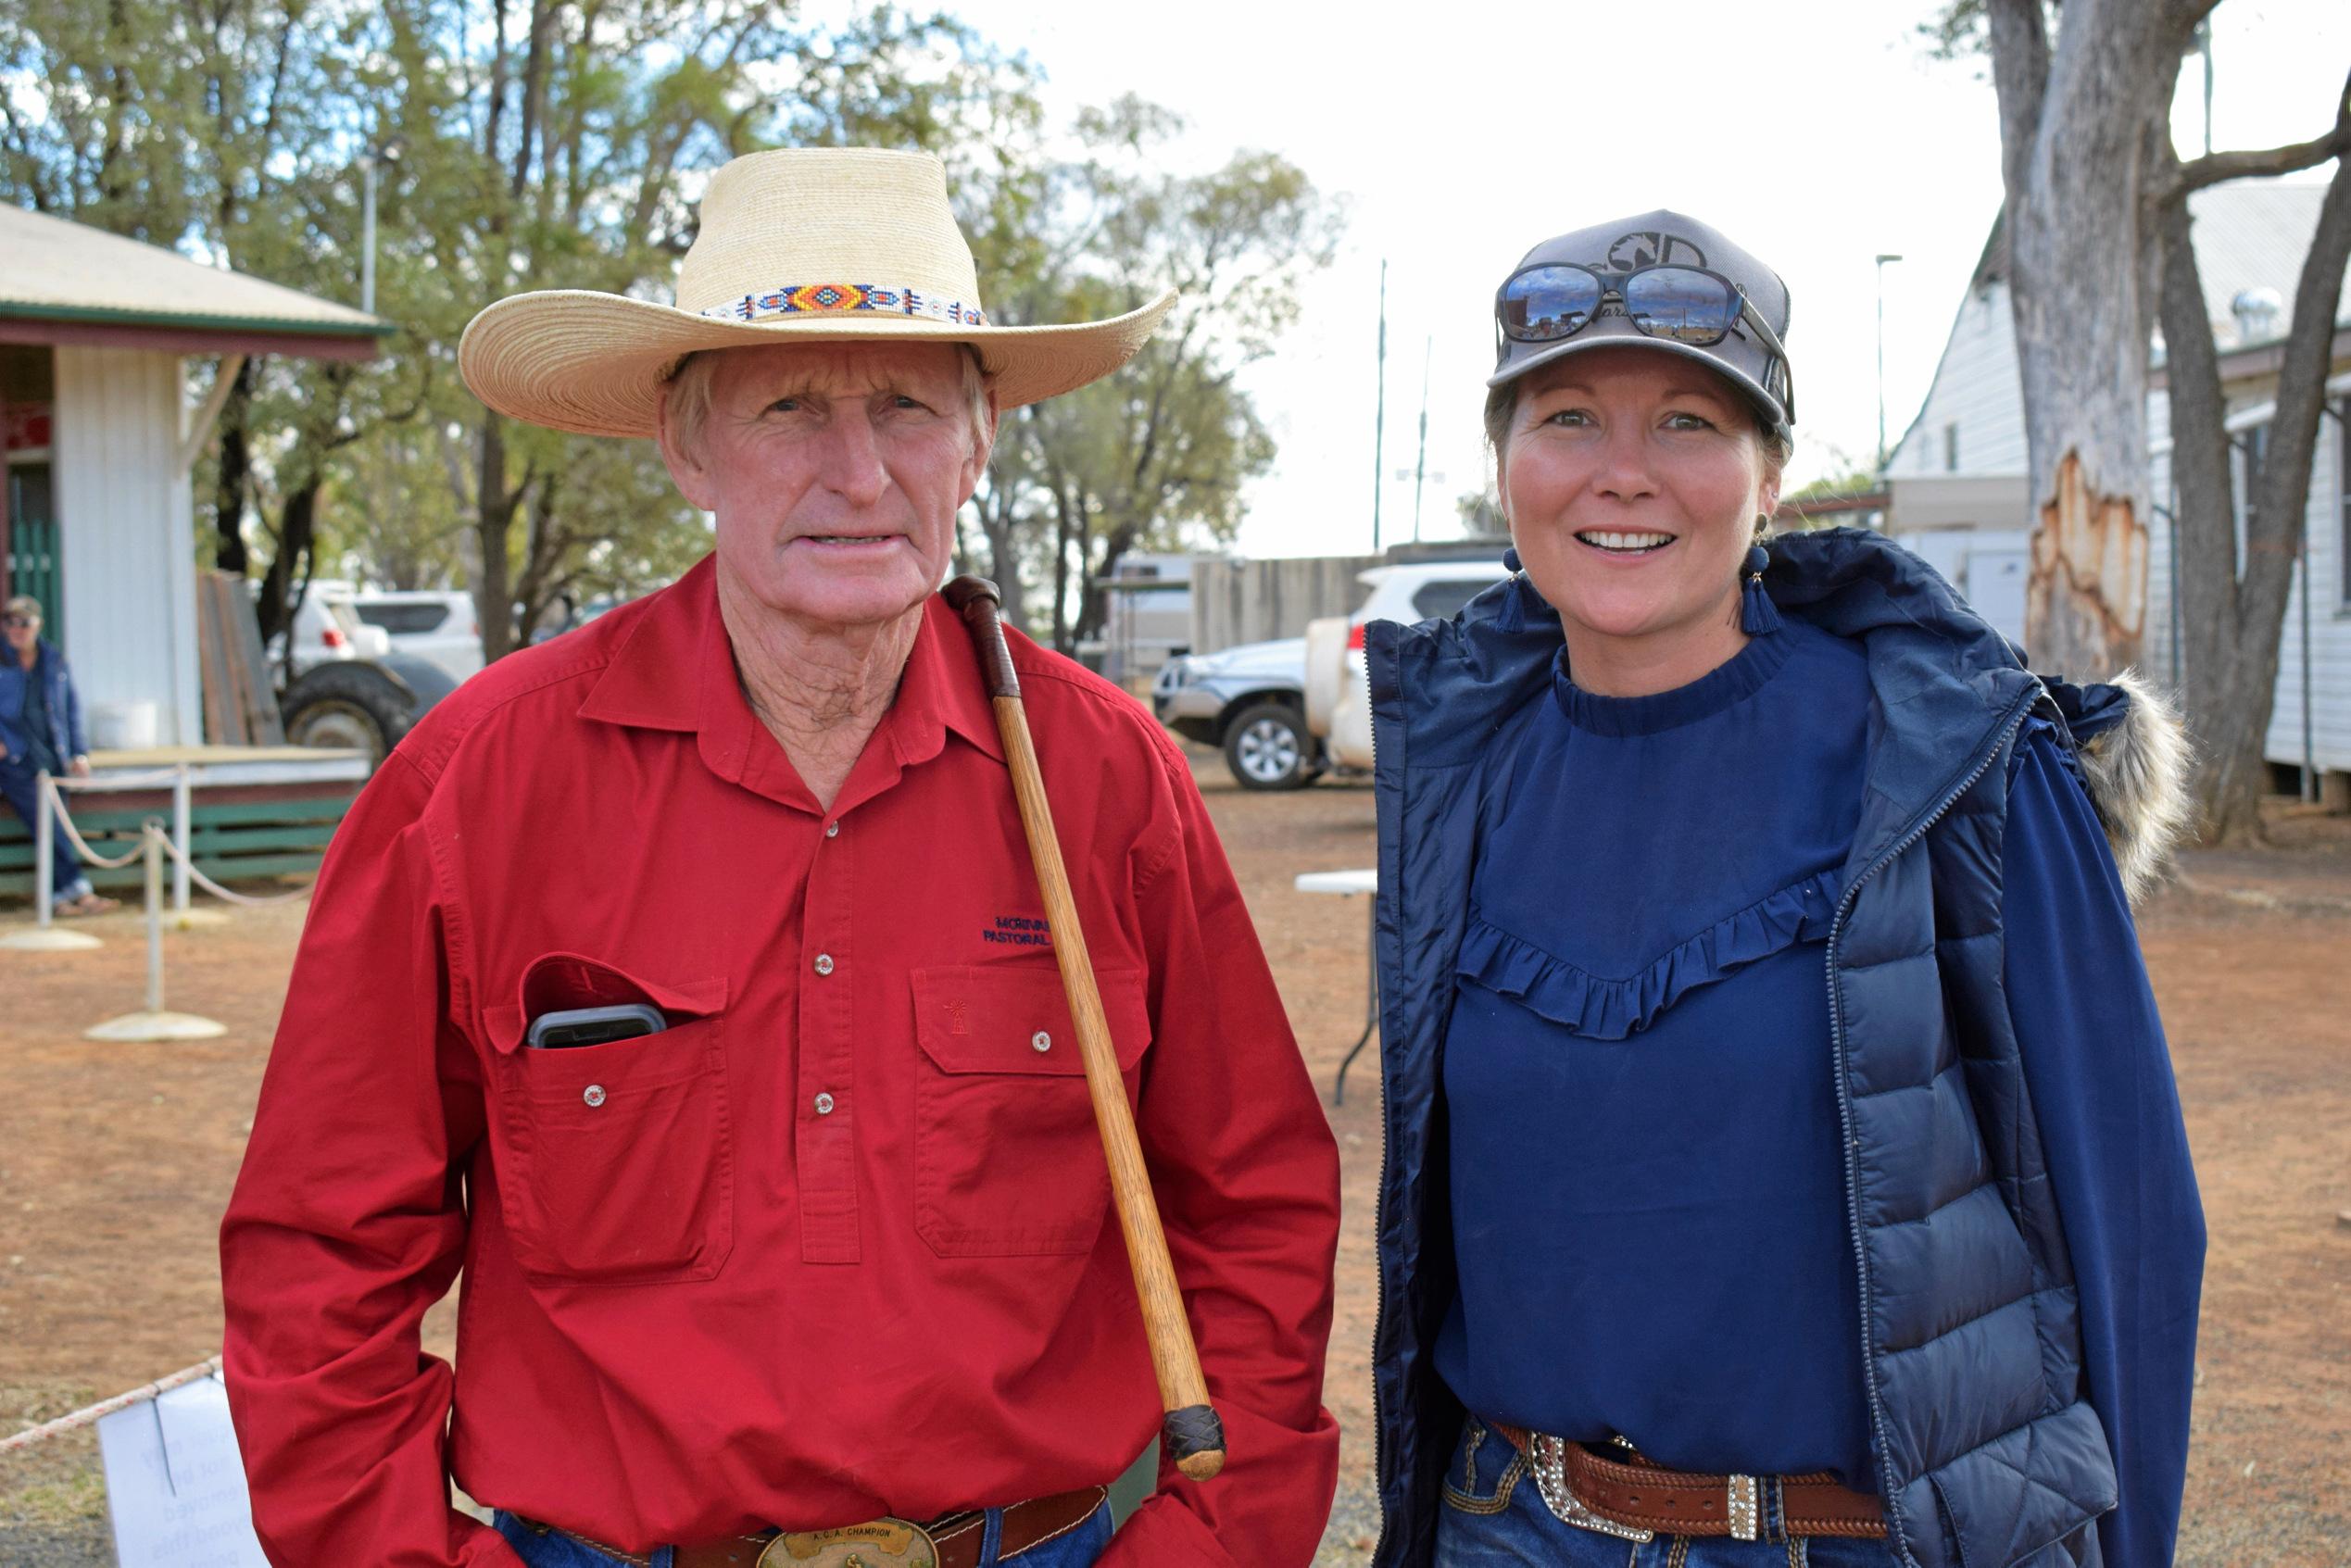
column 1817, row 136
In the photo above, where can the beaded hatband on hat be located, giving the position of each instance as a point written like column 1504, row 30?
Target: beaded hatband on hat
column 801, row 246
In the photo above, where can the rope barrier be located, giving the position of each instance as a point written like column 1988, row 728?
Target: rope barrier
column 220, row 892
column 56, row 804
column 104, row 1408
column 112, row 782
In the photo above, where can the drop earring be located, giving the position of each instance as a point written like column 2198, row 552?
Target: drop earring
column 1758, row 617
column 1520, row 599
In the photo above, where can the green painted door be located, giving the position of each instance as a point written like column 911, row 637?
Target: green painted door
column 33, row 545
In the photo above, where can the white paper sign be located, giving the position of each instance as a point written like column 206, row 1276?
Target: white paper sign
column 174, row 1483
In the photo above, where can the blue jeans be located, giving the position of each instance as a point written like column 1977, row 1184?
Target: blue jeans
column 16, row 784
column 1072, row 1549
column 1494, row 1515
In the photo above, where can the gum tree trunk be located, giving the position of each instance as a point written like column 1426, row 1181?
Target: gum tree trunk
column 2080, row 123
column 2231, row 615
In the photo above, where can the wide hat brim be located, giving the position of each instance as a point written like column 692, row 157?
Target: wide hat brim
column 595, row 363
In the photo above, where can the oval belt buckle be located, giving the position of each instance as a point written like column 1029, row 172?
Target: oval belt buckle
column 878, row 1543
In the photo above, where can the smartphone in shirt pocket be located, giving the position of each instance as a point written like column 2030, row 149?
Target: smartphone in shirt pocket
column 614, row 1156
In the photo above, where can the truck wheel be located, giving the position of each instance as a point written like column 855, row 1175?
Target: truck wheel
column 1266, row 746
column 346, row 705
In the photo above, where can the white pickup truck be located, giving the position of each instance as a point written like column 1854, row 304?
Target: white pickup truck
column 1337, row 695
column 1255, row 700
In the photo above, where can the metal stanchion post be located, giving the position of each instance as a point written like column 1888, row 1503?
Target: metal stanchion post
column 44, row 937
column 154, row 836
column 155, row 1023
column 180, row 838
column 183, row 866
column 45, row 851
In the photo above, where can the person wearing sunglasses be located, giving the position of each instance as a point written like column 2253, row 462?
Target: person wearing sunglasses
column 1783, row 1160
column 41, row 733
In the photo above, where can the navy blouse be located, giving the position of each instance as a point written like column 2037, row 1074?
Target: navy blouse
column 1648, row 1205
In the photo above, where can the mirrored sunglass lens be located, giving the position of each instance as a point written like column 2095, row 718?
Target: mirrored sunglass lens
column 1549, row 303
column 1676, row 302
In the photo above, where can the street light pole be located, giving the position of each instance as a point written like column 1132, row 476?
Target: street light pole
column 385, row 151
column 1882, row 260
column 367, row 231
column 1420, row 464
column 1379, row 409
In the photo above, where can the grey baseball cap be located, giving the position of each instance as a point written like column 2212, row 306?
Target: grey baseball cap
column 1754, row 361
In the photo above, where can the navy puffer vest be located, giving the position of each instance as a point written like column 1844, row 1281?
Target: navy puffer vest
column 1988, row 1454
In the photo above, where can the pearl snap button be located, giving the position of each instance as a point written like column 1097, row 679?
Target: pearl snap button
column 824, row 964
column 825, row 1105
column 1041, row 1040
column 832, row 830
column 593, row 1094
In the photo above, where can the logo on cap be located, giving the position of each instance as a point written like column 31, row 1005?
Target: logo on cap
column 1653, row 247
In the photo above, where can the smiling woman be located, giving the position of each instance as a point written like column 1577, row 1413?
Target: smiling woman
column 1705, row 864
column 1635, row 484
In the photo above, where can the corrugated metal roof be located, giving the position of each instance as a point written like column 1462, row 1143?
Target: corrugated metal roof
column 52, row 270
column 2249, row 234
column 2253, row 234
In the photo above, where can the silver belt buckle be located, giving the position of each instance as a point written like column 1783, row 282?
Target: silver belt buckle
column 1746, row 1508
column 1547, row 1456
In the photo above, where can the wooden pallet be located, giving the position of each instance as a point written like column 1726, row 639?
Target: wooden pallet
column 240, row 700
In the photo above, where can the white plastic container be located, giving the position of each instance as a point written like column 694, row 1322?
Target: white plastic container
column 123, row 726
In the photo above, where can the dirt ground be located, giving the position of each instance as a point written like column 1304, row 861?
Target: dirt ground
column 115, row 1161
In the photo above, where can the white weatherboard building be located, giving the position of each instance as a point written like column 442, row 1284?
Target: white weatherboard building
column 96, row 516
column 1959, row 485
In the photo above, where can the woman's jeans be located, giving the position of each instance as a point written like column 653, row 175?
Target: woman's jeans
column 1074, row 1549
column 18, row 783
column 1494, row 1514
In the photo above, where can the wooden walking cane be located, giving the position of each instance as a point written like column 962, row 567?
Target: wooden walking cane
column 1191, row 1434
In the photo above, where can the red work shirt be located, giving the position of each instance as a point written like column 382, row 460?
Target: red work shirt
column 837, row 1243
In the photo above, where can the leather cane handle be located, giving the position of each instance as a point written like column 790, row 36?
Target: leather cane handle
column 977, row 601
column 1191, row 1434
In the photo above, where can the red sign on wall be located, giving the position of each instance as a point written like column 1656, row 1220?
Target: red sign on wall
column 28, row 427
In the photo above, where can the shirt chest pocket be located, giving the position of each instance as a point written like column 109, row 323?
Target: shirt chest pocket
column 1007, row 1160
column 615, row 1163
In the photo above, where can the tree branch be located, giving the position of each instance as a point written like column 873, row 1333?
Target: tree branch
column 2020, row 39
column 2281, row 518
column 2177, row 181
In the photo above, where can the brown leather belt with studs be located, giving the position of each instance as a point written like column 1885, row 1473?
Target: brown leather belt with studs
column 1639, row 1494
column 950, row 1541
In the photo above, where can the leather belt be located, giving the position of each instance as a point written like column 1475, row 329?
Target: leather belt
column 1642, row 1495
column 959, row 1535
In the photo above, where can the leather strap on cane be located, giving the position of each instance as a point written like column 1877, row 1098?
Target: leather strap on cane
column 977, row 601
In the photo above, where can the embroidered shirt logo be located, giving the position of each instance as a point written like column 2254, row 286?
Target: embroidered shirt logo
column 1019, row 931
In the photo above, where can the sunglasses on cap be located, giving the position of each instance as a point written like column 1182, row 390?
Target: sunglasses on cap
column 1552, row 302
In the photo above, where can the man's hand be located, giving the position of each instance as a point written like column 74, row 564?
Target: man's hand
column 79, row 767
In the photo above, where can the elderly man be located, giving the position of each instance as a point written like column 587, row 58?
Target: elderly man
column 684, row 982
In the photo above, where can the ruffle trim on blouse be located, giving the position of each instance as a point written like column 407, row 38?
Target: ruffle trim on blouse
column 1601, row 1008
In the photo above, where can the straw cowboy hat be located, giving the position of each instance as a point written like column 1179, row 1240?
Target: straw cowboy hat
column 803, row 245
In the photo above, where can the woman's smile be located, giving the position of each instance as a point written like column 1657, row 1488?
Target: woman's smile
column 1623, row 544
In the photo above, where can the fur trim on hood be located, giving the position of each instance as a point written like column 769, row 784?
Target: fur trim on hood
column 2135, row 758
